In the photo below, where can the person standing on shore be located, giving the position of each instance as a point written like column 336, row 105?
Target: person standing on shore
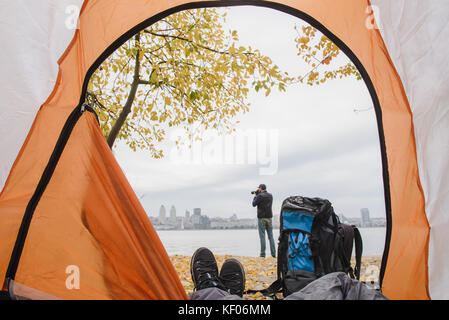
column 264, row 202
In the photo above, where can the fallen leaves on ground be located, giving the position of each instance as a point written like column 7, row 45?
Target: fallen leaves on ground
column 259, row 272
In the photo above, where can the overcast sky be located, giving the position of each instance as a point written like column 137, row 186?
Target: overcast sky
column 319, row 146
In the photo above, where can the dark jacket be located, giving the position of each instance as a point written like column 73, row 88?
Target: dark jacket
column 264, row 202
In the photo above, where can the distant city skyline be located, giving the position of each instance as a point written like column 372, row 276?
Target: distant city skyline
column 200, row 221
column 362, row 213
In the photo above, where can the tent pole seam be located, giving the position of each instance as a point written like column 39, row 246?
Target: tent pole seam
column 43, row 182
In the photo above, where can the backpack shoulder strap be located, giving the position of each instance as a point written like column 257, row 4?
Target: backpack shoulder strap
column 271, row 291
column 358, row 252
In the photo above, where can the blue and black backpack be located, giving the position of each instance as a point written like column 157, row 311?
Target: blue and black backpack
column 312, row 243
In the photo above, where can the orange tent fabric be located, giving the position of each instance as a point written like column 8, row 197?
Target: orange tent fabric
column 91, row 218
column 88, row 215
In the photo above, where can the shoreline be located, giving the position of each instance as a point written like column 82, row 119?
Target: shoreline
column 261, row 272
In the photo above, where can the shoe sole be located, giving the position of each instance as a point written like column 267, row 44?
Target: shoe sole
column 241, row 268
column 191, row 263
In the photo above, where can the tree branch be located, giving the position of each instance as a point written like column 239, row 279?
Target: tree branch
column 190, row 41
column 112, row 136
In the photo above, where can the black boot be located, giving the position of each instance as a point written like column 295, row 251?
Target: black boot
column 204, row 270
column 232, row 275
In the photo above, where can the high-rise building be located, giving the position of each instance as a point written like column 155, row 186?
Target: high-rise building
column 366, row 222
column 187, row 215
column 196, row 220
column 173, row 213
column 162, row 215
column 197, row 211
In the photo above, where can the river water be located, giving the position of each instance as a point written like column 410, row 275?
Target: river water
column 246, row 242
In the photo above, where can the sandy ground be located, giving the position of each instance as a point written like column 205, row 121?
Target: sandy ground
column 261, row 272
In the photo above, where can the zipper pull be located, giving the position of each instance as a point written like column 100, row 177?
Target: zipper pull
column 83, row 107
